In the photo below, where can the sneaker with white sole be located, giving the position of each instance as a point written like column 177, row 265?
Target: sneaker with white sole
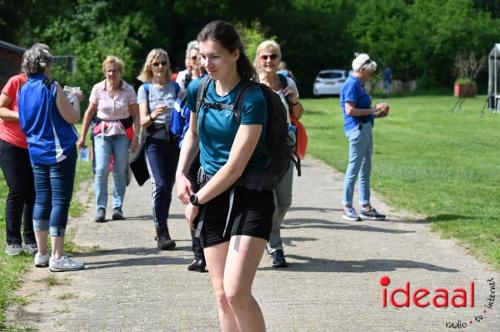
column 65, row 264
column 42, row 260
column 13, row 249
column 371, row 214
column 30, row 249
column 350, row 214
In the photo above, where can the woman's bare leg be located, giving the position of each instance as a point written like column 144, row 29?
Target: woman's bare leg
column 216, row 259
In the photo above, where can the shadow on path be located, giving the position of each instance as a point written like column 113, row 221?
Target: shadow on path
column 149, row 217
column 142, row 261
column 310, row 264
column 136, row 251
column 327, row 224
column 308, row 208
column 290, row 241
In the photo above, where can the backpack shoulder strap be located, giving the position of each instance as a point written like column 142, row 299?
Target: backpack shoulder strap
column 240, row 97
column 284, row 85
column 146, row 89
column 283, row 81
column 177, row 88
column 202, row 90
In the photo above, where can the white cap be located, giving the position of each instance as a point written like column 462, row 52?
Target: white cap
column 363, row 60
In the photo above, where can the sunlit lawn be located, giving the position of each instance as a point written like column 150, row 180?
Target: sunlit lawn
column 13, row 268
column 427, row 159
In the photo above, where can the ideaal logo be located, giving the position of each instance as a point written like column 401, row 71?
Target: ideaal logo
column 423, row 297
column 460, row 297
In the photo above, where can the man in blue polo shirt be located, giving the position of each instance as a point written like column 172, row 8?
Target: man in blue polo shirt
column 359, row 118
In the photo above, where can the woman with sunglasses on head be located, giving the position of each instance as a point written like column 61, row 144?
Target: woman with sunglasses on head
column 113, row 108
column 47, row 118
column 193, row 69
column 267, row 61
column 156, row 98
column 196, row 71
column 234, row 222
column 359, row 117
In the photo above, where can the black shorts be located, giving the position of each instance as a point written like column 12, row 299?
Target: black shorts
column 251, row 214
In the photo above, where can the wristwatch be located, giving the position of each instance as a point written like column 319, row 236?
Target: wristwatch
column 193, row 199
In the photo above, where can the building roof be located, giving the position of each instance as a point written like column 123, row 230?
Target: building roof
column 495, row 51
column 11, row 47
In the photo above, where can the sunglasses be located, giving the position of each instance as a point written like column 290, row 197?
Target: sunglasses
column 194, row 57
column 271, row 57
column 156, row 64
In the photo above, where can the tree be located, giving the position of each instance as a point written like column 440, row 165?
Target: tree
column 441, row 30
column 380, row 29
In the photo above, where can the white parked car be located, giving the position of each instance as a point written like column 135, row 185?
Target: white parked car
column 329, row 82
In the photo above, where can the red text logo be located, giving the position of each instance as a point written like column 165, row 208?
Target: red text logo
column 400, row 297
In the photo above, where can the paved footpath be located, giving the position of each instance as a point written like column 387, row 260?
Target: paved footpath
column 332, row 284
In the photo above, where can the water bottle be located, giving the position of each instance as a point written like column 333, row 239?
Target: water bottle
column 71, row 92
column 292, row 133
column 84, row 154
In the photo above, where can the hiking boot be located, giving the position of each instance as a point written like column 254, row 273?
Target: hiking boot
column 279, row 259
column 197, row 265
column 30, row 248
column 164, row 240
column 118, row 214
column 13, row 249
column 350, row 214
column 371, row 214
column 65, row 264
column 100, row 215
column 42, row 260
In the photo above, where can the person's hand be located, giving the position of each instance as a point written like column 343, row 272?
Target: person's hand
column 184, row 188
column 159, row 109
column 134, row 144
column 381, row 106
column 191, row 213
column 383, row 109
column 79, row 95
column 81, row 142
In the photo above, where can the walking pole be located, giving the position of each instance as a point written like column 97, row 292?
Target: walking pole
column 484, row 107
column 458, row 105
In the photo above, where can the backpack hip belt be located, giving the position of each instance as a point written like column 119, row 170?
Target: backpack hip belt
column 258, row 181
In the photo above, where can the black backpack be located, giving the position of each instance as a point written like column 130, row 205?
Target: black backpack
column 278, row 142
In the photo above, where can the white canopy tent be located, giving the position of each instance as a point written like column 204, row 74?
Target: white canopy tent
column 494, row 78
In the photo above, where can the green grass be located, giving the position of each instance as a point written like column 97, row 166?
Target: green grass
column 12, row 269
column 443, row 165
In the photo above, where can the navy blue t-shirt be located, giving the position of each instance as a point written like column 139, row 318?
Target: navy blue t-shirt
column 354, row 91
column 217, row 128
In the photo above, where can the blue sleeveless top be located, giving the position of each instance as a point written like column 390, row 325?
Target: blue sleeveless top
column 50, row 138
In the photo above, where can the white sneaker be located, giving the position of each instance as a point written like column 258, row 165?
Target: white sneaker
column 30, row 249
column 13, row 249
column 350, row 214
column 42, row 260
column 65, row 264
